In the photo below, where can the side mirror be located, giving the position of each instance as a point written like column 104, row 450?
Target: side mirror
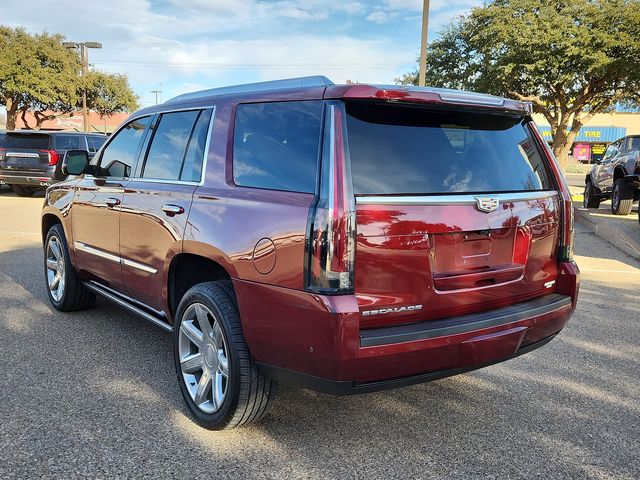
column 75, row 162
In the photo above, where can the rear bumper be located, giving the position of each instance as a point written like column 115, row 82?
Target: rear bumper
column 33, row 179
column 316, row 340
column 335, row 387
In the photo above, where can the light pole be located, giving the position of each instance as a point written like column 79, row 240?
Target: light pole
column 156, row 92
column 423, row 45
column 84, row 57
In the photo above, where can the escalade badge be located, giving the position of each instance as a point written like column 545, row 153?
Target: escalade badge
column 487, row 204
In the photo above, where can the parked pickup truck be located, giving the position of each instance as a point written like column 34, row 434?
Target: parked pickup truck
column 616, row 176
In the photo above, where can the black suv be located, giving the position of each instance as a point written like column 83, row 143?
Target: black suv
column 29, row 160
column 616, row 176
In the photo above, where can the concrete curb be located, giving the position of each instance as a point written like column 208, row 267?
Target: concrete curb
column 626, row 240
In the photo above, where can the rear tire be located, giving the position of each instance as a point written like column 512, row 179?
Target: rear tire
column 591, row 199
column 23, row 191
column 64, row 288
column 218, row 378
column 621, row 198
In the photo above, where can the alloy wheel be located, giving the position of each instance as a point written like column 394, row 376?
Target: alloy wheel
column 204, row 358
column 55, row 268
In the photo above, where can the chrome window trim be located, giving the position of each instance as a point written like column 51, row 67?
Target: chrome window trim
column 207, row 144
column 152, row 180
column 466, row 199
column 171, row 182
column 114, row 258
column 205, row 151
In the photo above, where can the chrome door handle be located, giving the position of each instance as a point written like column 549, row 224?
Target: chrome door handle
column 112, row 202
column 172, row 210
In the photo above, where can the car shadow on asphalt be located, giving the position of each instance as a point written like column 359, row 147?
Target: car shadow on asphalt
column 107, row 375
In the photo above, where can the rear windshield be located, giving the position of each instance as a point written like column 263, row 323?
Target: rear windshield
column 31, row 141
column 409, row 150
column 70, row 142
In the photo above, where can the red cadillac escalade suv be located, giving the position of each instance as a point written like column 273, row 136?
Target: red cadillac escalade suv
column 347, row 238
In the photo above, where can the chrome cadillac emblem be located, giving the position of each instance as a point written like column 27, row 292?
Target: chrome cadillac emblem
column 487, row 204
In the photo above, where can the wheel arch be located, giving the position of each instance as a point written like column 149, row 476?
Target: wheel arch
column 618, row 173
column 48, row 220
column 193, row 266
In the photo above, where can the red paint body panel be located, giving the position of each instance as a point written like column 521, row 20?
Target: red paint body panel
column 416, row 255
column 151, row 237
column 320, row 336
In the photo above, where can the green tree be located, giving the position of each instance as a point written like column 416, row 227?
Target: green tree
column 38, row 73
column 571, row 59
column 109, row 93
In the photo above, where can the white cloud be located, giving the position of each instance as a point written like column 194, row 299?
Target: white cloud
column 379, row 16
column 186, row 45
column 440, row 11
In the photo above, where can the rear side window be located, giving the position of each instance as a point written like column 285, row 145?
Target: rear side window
column 120, row 155
column 409, row 150
column 69, row 142
column 275, row 145
column 95, row 143
column 29, row 141
column 177, row 146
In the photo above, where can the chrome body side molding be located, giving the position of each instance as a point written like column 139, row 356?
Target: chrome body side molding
column 114, row 258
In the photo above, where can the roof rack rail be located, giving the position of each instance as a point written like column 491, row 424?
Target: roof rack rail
column 312, row 81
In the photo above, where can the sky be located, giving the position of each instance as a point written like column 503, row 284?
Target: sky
column 179, row 46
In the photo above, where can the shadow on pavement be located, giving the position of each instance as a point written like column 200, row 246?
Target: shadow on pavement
column 94, row 393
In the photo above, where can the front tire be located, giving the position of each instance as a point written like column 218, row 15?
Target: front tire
column 590, row 199
column 64, row 288
column 621, row 198
column 23, row 191
column 218, row 378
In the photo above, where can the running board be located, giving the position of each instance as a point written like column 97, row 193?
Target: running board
column 118, row 300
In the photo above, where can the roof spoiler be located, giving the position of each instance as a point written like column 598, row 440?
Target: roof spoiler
column 313, row 81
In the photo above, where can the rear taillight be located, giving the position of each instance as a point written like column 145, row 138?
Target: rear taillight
column 565, row 247
column 522, row 245
column 53, row 156
column 331, row 234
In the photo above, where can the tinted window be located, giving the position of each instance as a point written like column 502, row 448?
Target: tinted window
column 612, row 151
column 29, row 141
column 633, row 143
column 69, row 142
column 169, row 144
column 276, row 145
column 192, row 166
column 95, row 143
column 119, row 156
column 398, row 150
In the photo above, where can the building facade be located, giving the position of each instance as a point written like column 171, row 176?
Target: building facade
column 73, row 121
column 597, row 134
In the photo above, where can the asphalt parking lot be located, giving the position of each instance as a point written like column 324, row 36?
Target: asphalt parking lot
column 94, row 394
